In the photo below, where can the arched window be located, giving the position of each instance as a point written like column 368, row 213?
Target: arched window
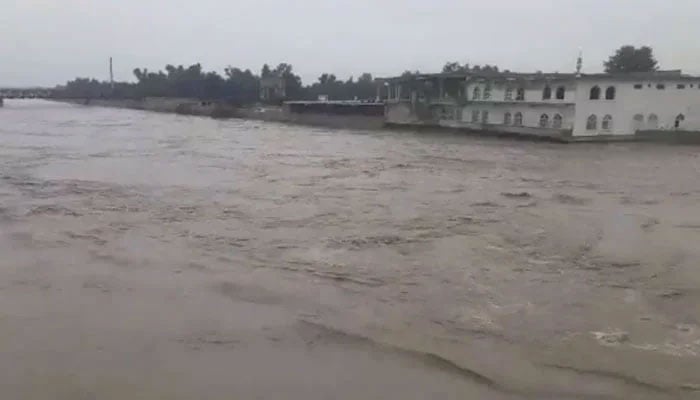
column 561, row 93
column 485, row 117
column 610, row 93
column 475, row 115
column 521, row 94
column 518, row 120
column 679, row 119
column 653, row 121
column 544, row 121
column 592, row 123
column 547, row 93
column 607, row 123
column 487, row 92
column 595, row 93
column 507, row 117
column 509, row 94
column 638, row 122
column 477, row 93
column 557, row 122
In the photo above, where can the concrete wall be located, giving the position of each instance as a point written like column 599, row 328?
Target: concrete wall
column 402, row 113
column 278, row 114
column 224, row 110
column 165, row 104
column 159, row 104
column 203, row 108
column 495, row 129
column 122, row 103
column 628, row 102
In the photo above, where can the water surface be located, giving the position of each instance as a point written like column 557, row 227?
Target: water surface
column 150, row 255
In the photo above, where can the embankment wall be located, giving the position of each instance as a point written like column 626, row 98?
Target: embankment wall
column 225, row 110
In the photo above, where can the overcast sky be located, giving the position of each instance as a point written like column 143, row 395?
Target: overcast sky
column 46, row 42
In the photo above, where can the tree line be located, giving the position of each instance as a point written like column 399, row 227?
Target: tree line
column 235, row 85
column 243, row 86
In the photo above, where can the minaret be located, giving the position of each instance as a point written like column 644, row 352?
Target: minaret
column 579, row 62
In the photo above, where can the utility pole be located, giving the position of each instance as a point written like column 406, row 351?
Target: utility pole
column 111, row 74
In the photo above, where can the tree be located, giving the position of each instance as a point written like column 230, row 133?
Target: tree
column 409, row 73
column 292, row 82
column 242, row 86
column 365, row 78
column 365, row 87
column 630, row 59
column 453, row 67
column 362, row 88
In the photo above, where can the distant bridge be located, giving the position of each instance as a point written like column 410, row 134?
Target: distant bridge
column 26, row 93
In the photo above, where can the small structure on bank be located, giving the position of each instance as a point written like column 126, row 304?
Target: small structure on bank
column 272, row 89
column 567, row 106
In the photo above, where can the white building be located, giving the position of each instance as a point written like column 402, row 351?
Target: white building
column 566, row 106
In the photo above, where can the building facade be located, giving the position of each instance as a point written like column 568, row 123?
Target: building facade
column 565, row 106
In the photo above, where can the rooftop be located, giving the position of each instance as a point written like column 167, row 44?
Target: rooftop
column 656, row 75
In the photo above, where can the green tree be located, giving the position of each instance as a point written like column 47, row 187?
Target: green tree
column 409, row 73
column 362, row 88
column 242, row 86
column 631, row 59
column 455, row 67
column 86, row 88
column 452, row 67
column 366, row 87
column 292, row 82
column 151, row 83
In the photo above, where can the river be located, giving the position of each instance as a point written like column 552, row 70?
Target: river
column 156, row 256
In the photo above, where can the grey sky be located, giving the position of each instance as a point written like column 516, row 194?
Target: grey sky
column 45, row 42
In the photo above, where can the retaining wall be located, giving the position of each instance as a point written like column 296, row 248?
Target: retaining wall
column 225, row 110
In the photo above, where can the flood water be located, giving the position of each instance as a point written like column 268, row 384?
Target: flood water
column 155, row 256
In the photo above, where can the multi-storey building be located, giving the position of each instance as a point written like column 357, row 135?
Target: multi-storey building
column 564, row 106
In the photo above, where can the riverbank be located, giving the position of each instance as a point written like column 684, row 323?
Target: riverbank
column 225, row 110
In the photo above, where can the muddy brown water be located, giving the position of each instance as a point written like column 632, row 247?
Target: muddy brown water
column 154, row 256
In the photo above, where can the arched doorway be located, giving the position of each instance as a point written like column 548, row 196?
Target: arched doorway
column 558, row 121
